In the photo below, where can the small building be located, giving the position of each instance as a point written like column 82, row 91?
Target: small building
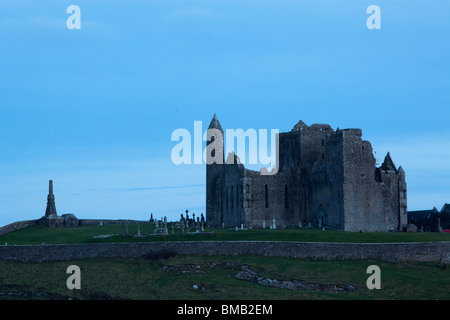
column 444, row 216
column 425, row 220
column 70, row 220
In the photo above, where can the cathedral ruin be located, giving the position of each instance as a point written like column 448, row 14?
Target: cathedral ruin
column 326, row 178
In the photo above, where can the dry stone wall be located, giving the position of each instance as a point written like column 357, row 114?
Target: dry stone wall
column 17, row 225
column 390, row 252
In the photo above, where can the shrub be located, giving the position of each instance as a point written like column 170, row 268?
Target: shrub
column 163, row 254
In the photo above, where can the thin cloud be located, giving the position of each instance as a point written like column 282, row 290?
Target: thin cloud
column 133, row 189
column 194, row 13
column 45, row 22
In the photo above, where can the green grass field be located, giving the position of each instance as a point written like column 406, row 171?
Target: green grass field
column 174, row 278
column 85, row 234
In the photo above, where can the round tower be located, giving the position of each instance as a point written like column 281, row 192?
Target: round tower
column 214, row 169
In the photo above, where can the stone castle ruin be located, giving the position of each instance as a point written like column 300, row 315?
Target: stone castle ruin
column 325, row 178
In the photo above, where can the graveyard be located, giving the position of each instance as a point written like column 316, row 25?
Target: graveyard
column 169, row 276
column 149, row 232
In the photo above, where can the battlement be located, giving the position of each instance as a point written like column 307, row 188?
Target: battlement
column 351, row 131
column 300, row 126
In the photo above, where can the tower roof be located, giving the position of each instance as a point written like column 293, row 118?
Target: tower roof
column 215, row 124
column 233, row 158
column 300, row 125
column 388, row 164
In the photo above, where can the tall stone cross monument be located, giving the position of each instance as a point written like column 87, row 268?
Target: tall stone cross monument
column 51, row 208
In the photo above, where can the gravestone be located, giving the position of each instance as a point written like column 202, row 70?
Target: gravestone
column 182, row 222
column 165, row 226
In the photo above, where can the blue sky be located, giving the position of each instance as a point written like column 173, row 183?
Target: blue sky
column 94, row 109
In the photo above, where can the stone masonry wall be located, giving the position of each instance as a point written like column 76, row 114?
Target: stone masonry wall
column 84, row 222
column 30, row 223
column 390, row 252
column 17, row 225
column 282, row 203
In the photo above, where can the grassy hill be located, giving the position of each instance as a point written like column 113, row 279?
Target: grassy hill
column 86, row 234
column 215, row 277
